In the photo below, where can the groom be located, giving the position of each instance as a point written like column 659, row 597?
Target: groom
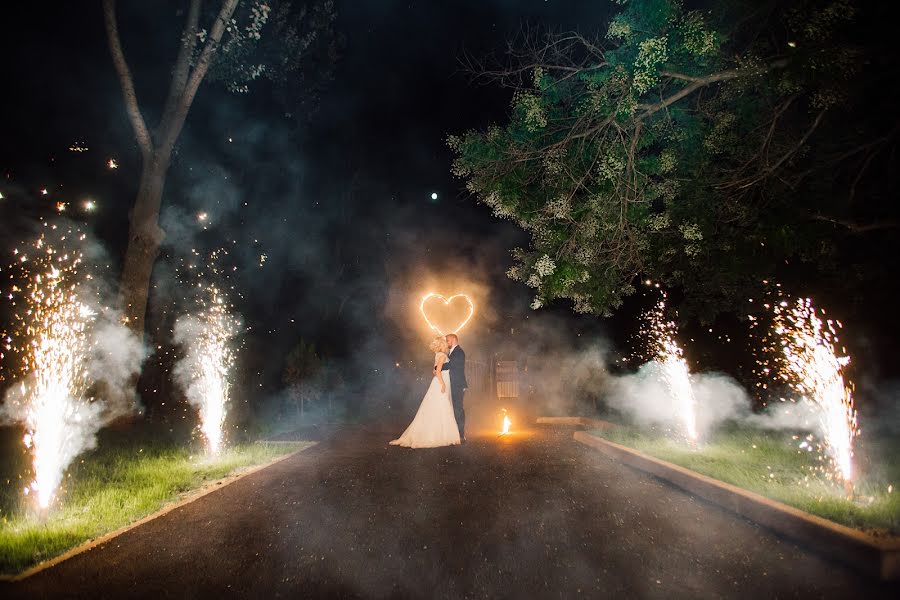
column 456, row 364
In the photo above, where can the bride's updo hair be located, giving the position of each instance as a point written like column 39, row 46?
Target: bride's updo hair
column 438, row 344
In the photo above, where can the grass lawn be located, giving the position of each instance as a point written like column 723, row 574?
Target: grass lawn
column 770, row 464
column 112, row 487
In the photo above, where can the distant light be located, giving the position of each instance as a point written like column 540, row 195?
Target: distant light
column 1, row 195
column 112, row 164
column 230, row 140
column 202, row 217
column 792, row 44
column 60, row 206
column 90, row 205
column 434, row 196
column 44, row 192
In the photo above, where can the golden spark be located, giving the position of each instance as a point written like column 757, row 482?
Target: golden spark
column 814, row 368
column 207, row 337
column 50, row 337
column 670, row 357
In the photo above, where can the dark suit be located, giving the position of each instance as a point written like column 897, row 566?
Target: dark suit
column 456, row 365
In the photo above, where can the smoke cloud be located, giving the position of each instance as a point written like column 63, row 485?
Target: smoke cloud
column 568, row 375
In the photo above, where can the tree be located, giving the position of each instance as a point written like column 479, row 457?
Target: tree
column 228, row 52
column 301, row 374
column 673, row 146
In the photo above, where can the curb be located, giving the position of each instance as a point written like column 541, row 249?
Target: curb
column 576, row 421
column 877, row 556
column 207, row 489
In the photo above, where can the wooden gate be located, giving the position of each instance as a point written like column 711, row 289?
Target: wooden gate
column 478, row 376
column 507, row 374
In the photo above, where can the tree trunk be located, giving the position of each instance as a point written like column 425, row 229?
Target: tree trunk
column 144, row 239
column 144, row 234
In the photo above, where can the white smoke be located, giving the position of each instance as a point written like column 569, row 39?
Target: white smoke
column 646, row 399
column 112, row 363
column 117, row 354
column 204, row 370
column 800, row 415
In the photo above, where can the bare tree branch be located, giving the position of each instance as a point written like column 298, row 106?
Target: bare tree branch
column 170, row 135
column 762, row 174
column 697, row 83
column 182, row 64
column 854, row 227
column 568, row 53
column 132, row 108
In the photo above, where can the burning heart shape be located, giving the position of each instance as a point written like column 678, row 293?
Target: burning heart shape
column 446, row 301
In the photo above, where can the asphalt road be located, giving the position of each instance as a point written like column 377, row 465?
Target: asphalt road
column 529, row 515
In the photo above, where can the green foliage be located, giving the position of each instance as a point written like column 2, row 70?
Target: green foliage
column 662, row 148
column 293, row 45
column 302, row 364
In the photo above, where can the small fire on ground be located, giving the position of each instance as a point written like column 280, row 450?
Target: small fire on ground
column 506, row 422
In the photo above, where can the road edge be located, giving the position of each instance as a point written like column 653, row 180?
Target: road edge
column 576, row 421
column 209, row 488
column 877, row 556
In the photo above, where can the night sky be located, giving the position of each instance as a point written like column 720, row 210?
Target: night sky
column 339, row 204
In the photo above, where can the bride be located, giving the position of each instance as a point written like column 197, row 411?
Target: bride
column 434, row 424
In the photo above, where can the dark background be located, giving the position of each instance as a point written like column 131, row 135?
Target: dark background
column 339, row 203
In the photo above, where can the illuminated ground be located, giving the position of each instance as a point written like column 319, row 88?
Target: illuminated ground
column 531, row 515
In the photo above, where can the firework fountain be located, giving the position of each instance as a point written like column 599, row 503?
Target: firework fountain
column 808, row 359
column 670, row 357
column 204, row 373
column 51, row 336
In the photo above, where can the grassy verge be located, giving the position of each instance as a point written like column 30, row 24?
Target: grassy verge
column 770, row 464
column 111, row 488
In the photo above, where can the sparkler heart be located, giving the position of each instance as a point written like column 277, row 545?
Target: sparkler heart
column 446, row 301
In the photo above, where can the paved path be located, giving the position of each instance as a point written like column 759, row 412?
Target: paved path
column 530, row 515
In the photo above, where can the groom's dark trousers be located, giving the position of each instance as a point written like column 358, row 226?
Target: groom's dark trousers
column 456, row 364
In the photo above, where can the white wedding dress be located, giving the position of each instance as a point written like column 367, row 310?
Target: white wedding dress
column 434, row 424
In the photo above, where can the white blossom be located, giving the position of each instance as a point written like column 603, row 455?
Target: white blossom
column 545, row 266
column 530, row 105
column 652, row 53
column 611, row 167
column 582, row 303
column 560, row 207
column 667, row 161
column 619, row 29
